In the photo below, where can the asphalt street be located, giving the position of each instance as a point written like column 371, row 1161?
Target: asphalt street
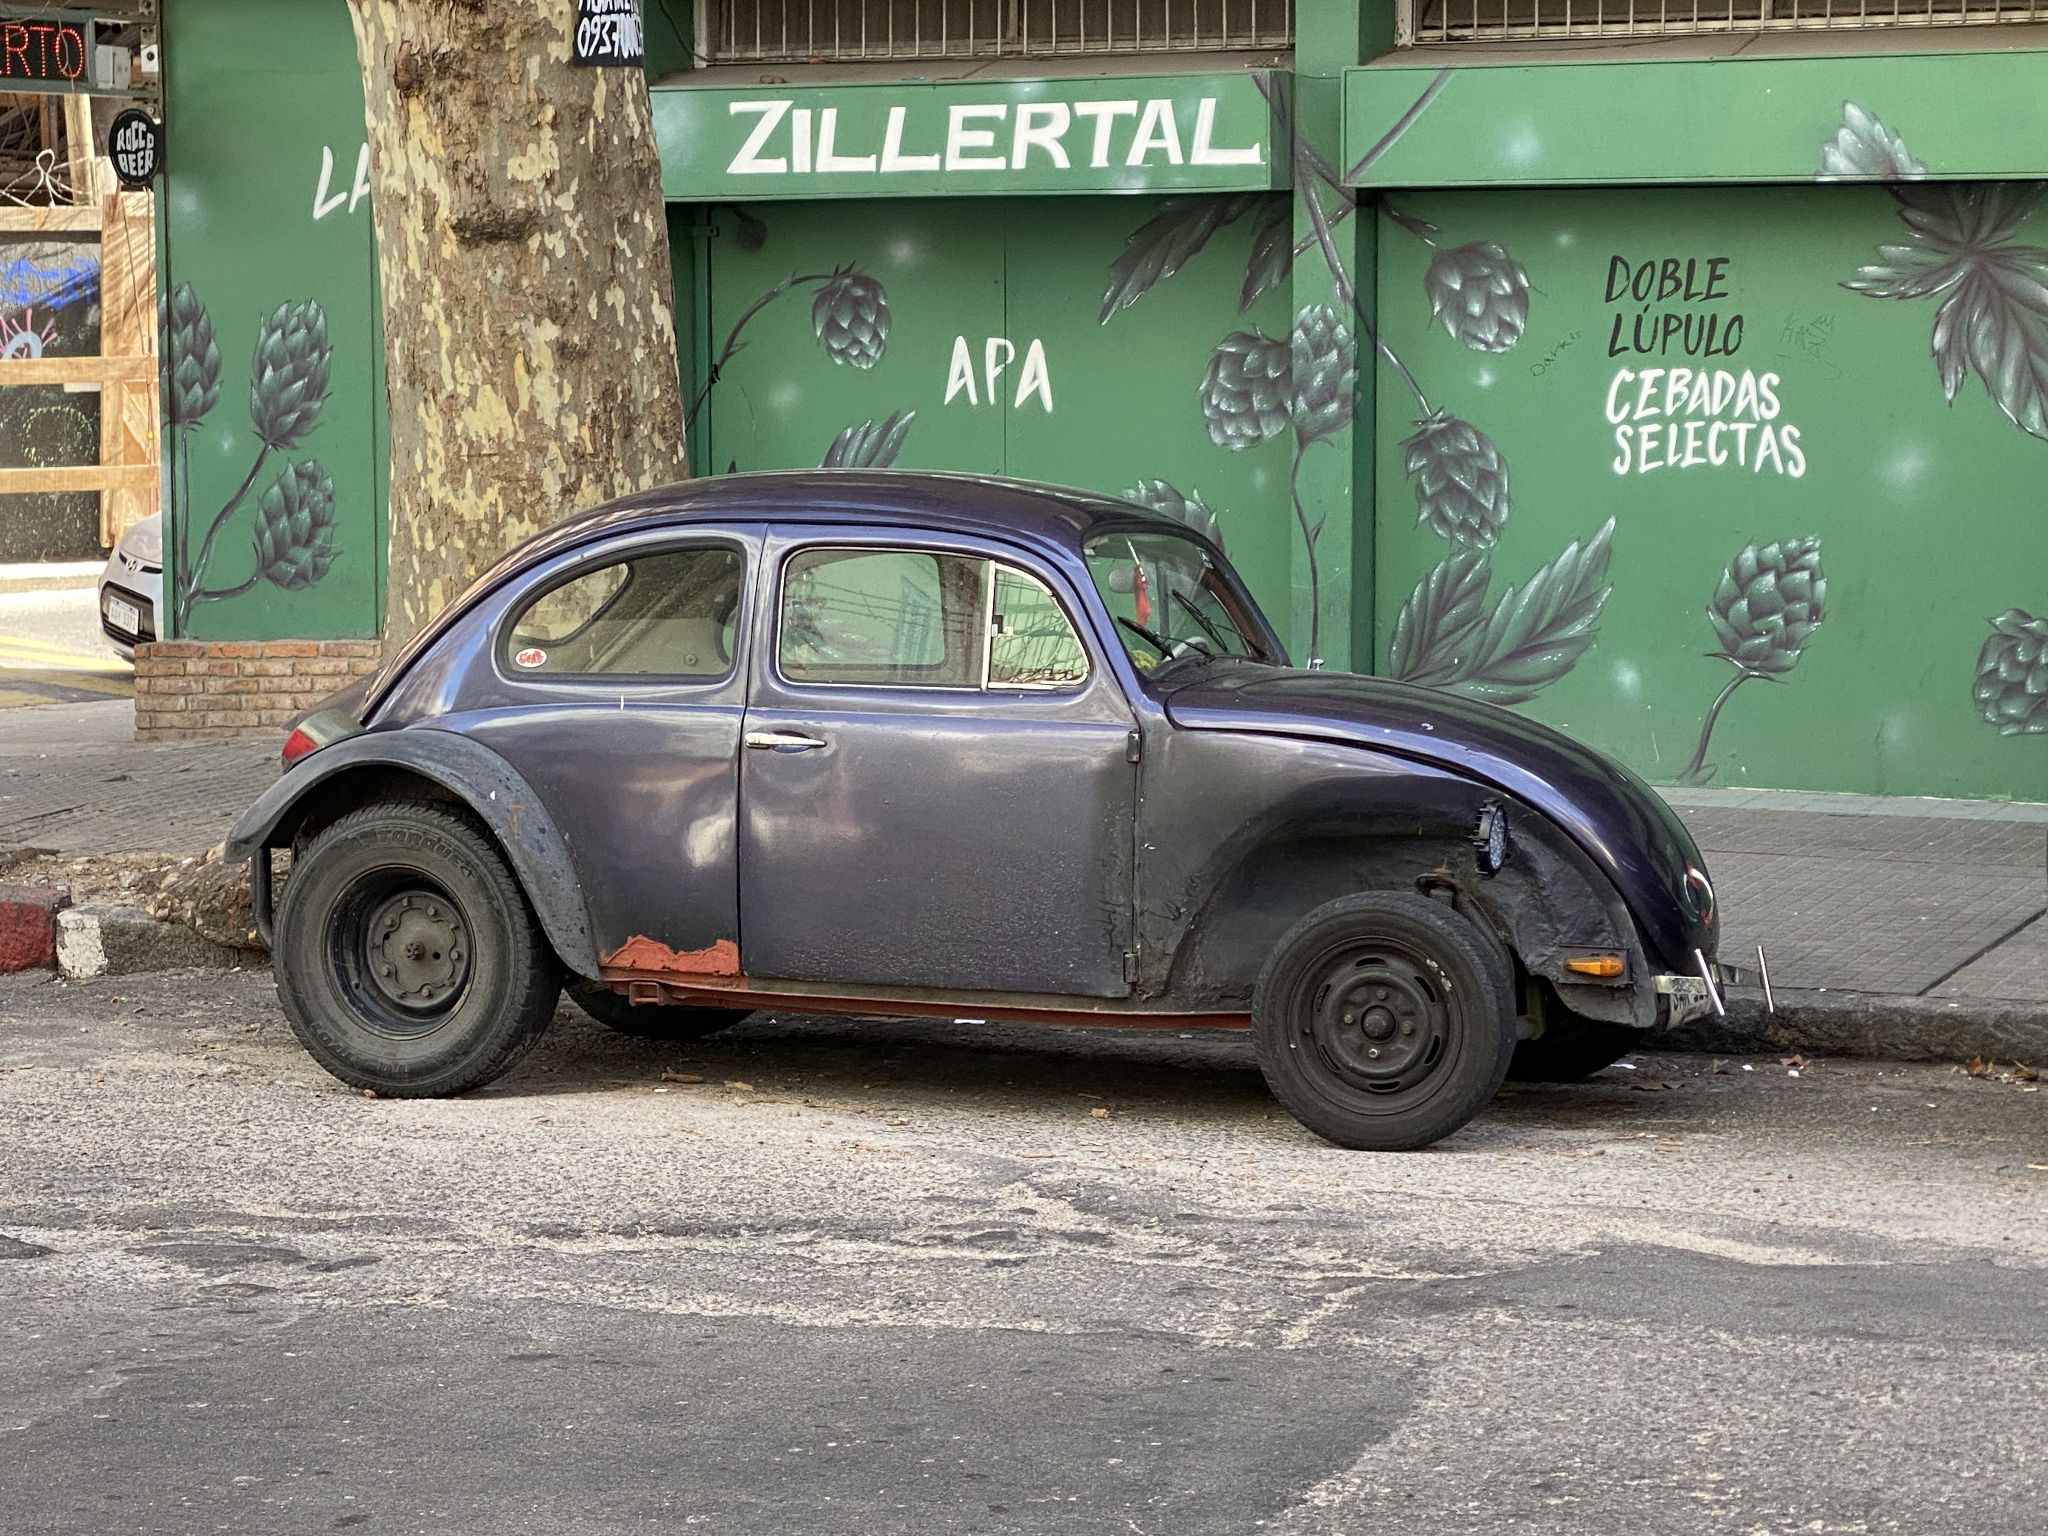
column 935, row 1278
column 52, row 651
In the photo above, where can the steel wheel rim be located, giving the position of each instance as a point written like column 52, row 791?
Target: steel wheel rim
column 401, row 948
column 1381, row 1017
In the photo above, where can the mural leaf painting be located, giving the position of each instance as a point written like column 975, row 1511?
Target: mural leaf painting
column 1163, row 496
column 849, row 314
column 1439, row 620
column 1864, row 149
column 1479, row 294
column 871, row 444
column 1960, row 245
column 1248, row 391
column 293, row 532
column 1770, row 601
column 1272, row 255
column 2011, row 687
column 1536, row 633
column 1460, row 480
column 1159, row 247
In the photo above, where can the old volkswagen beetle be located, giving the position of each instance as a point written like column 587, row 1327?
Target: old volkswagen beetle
column 933, row 744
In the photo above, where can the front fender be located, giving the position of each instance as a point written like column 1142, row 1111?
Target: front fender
column 472, row 773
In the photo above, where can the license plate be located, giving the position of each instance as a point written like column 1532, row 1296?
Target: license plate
column 125, row 617
column 1689, row 998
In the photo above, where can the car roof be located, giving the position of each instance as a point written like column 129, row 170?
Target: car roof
column 1055, row 515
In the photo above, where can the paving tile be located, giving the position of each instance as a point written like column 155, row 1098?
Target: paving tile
column 1910, row 839
column 1867, row 924
column 2016, row 971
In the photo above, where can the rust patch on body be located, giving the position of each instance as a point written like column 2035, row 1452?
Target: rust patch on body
column 643, row 954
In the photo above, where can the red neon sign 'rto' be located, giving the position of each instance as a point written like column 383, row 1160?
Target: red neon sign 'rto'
column 42, row 50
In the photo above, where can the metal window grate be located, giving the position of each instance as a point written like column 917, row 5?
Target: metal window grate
column 1486, row 21
column 796, row 31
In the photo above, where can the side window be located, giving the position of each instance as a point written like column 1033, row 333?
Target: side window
column 668, row 614
column 910, row 618
column 895, row 617
column 1030, row 642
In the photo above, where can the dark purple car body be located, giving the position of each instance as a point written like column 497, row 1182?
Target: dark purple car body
column 1130, row 848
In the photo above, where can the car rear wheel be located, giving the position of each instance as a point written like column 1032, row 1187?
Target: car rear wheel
column 650, row 1021
column 408, row 960
column 1383, row 1021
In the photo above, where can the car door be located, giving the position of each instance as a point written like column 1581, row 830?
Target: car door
column 937, row 788
column 617, row 692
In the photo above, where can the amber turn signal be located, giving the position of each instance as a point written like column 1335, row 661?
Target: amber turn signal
column 1596, row 965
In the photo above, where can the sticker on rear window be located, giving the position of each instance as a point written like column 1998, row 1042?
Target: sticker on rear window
column 532, row 656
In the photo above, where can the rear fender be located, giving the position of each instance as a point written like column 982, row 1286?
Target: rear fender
column 380, row 764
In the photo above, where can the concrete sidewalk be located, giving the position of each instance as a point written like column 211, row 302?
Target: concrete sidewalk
column 1893, row 927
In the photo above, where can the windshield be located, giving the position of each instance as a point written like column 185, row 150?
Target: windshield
column 1170, row 600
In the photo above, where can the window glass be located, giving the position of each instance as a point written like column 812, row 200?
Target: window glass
column 894, row 617
column 1030, row 642
column 670, row 614
column 1169, row 600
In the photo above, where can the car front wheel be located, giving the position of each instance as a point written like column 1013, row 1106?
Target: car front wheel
column 1384, row 1021
column 408, row 960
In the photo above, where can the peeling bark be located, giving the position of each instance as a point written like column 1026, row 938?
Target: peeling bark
column 529, row 330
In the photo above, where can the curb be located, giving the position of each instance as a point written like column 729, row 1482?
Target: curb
column 28, row 926
column 120, row 941
column 10, row 585
column 1867, row 1024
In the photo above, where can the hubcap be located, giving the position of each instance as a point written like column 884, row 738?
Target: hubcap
column 417, row 951
column 1381, row 1019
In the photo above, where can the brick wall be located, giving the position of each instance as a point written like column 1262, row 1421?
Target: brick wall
column 186, row 688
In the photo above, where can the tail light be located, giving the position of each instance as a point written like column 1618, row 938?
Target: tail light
column 320, row 729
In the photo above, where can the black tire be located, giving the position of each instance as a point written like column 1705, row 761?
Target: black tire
column 1383, row 1021
column 1571, row 1047
column 650, row 1021
column 408, row 960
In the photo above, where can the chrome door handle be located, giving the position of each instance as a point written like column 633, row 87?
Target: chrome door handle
column 781, row 741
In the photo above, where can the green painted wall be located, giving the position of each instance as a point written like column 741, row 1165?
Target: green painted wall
column 264, row 228
column 1019, row 287
column 1612, row 119
column 1904, row 523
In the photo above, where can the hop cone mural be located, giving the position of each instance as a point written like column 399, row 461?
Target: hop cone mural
column 1480, row 295
column 1164, row 496
column 2011, row 688
column 1460, row 479
column 288, row 378
column 191, row 357
column 851, row 317
column 295, row 527
column 1325, row 371
column 1245, row 393
column 1769, row 603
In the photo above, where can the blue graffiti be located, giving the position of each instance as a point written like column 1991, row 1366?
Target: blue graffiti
column 50, row 284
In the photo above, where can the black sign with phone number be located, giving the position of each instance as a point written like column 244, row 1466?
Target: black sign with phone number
column 608, row 32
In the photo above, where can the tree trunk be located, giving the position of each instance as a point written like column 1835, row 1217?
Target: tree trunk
column 529, row 330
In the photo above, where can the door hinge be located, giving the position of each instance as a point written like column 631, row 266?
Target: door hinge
column 1130, row 966
column 1135, row 747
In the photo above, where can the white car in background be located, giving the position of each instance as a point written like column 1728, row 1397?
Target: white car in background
column 131, row 588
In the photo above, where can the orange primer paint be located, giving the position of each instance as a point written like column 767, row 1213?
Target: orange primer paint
column 641, row 953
